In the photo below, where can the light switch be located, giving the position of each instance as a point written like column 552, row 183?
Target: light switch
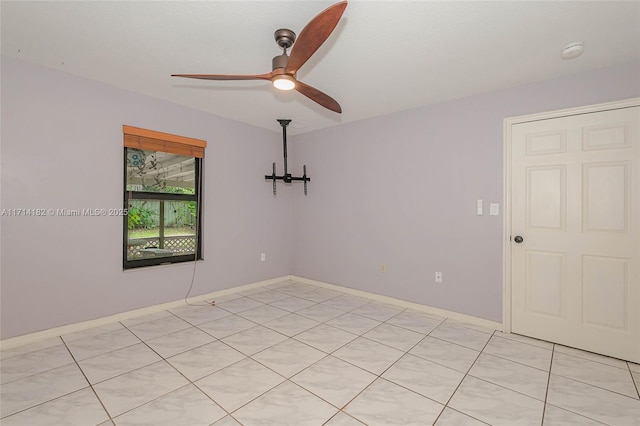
column 494, row 209
column 479, row 208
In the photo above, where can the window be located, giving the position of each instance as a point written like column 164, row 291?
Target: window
column 163, row 198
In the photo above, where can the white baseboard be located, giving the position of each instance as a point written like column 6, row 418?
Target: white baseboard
column 456, row 316
column 72, row 328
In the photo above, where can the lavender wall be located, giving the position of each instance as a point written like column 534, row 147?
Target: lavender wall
column 401, row 190
column 398, row 190
column 62, row 148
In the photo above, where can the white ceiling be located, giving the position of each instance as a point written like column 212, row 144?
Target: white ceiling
column 383, row 57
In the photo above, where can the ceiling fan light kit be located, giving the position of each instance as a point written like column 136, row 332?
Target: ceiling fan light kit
column 285, row 67
column 286, row 176
column 284, row 82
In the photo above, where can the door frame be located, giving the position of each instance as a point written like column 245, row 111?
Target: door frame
column 506, row 199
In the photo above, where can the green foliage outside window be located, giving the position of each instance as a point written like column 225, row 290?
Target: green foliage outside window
column 139, row 217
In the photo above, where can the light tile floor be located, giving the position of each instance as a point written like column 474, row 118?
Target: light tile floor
column 295, row 354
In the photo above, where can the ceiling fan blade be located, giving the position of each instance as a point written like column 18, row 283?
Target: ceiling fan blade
column 318, row 97
column 313, row 35
column 266, row 76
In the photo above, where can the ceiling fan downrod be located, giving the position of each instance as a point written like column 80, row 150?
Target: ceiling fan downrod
column 287, row 177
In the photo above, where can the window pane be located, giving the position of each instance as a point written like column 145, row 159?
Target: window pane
column 161, row 229
column 155, row 171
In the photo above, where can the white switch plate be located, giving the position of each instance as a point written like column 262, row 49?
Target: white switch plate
column 479, row 208
column 263, row 257
column 494, row 209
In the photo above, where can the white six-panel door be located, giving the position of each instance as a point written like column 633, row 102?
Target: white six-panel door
column 575, row 206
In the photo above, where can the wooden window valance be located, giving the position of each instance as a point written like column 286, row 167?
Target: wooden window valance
column 150, row 140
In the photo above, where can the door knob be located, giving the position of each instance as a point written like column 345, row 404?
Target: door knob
column 518, row 239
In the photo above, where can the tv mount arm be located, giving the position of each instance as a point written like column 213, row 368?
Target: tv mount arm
column 286, row 177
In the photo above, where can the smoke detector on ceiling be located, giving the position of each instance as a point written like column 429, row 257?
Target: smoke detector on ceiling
column 572, row 50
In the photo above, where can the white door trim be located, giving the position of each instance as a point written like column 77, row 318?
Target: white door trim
column 506, row 201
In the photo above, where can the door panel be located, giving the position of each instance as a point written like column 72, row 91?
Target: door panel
column 575, row 192
column 546, row 197
column 546, row 283
column 546, row 143
column 605, row 279
column 606, row 197
column 607, row 136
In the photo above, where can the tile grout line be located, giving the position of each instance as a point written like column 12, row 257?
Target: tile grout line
column 503, row 357
column 585, row 358
column 546, row 394
column 61, row 396
column 286, row 379
column 346, row 414
column 464, row 377
column 525, row 343
column 104, row 407
column 190, row 382
column 568, row 378
column 377, row 376
column 163, row 359
column 40, row 372
column 597, row 386
column 633, row 379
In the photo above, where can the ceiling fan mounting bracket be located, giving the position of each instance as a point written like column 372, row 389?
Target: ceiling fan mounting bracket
column 285, row 38
column 287, row 177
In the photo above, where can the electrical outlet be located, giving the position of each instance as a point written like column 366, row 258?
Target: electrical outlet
column 383, row 268
column 263, row 257
column 438, row 277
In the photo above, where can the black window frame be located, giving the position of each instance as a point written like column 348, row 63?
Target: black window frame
column 146, row 195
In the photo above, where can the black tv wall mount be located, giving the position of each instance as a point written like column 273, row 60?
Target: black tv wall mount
column 287, row 177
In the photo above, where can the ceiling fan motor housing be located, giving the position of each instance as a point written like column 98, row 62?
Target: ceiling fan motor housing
column 280, row 61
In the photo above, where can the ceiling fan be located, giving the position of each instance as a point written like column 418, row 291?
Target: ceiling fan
column 285, row 67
